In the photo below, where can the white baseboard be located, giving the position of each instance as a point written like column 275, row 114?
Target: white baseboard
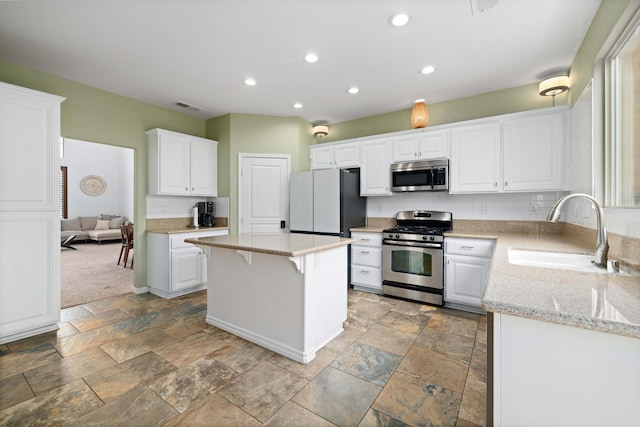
column 142, row 290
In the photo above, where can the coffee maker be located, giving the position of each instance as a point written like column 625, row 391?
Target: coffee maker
column 205, row 214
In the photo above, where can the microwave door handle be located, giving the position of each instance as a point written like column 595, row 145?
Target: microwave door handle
column 433, row 177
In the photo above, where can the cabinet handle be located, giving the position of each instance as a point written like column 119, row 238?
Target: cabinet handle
column 364, row 240
column 365, row 252
column 506, row 183
column 468, row 248
column 364, row 271
column 415, row 155
column 495, row 184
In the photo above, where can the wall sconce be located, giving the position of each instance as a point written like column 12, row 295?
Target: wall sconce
column 419, row 114
column 554, row 86
column 320, row 131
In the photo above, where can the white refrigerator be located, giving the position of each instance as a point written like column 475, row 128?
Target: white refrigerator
column 326, row 201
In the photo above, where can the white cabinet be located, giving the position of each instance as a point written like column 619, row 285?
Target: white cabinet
column 366, row 262
column 176, row 267
column 375, row 172
column 522, row 152
column 428, row 144
column 532, row 153
column 556, row 367
column 466, row 267
column 182, row 165
column 345, row 155
column 29, row 212
column 475, row 158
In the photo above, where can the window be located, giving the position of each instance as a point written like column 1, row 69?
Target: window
column 63, row 192
column 624, row 65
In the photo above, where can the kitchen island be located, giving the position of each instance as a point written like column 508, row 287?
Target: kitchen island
column 284, row 292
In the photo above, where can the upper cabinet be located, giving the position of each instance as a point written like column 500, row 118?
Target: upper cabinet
column 182, row 165
column 428, row 144
column 475, row 158
column 523, row 152
column 532, row 153
column 345, row 155
column 375, row 173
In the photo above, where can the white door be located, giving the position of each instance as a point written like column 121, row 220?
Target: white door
column 263, row 192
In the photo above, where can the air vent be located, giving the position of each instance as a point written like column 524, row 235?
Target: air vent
column 479, row 6
column 188, row 106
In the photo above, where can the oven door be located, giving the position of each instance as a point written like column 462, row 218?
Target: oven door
column 418, row 264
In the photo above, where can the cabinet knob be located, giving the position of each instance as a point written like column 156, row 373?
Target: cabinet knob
column 193, row 188
column 186, row 188
column 495, row 184
column 506, row 183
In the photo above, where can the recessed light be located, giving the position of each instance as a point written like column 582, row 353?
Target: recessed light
column 250, row 82
column 297, row 105
column 428, row 69
column 311, row 58
column 353, row 90
column 419, row 100
column 399, row 20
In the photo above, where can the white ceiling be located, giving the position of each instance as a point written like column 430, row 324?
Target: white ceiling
column 200, row 51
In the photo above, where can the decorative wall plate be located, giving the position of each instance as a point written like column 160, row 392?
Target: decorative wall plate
column 93, row 185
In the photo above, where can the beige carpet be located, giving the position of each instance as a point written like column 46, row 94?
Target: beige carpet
column 90, row 273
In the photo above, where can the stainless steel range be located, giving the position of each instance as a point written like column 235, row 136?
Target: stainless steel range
column 413, row 256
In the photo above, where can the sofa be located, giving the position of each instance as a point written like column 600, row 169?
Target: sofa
column 95, row 228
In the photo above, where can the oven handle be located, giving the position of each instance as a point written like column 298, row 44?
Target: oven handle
column 412, row 244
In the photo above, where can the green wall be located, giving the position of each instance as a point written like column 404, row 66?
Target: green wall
column 248, row 133
column 505, row 101
column 583, row 64
column 95, row 115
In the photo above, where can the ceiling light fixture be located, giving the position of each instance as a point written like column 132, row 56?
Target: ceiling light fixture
column 250, row 82
column 428, row 69
column 554, row 86
column 419, row 114
column 311, row 58
column 399, row 20
column 353, row 90
column 320, row 131
column 297, row 105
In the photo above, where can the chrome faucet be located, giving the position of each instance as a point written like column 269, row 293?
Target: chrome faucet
column 602, row 246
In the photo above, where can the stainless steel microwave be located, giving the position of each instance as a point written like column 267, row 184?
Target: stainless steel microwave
column 423, row 175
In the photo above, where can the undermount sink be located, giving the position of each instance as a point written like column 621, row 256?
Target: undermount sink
column 557, row 260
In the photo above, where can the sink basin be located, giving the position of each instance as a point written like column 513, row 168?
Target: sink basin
column 557, row 260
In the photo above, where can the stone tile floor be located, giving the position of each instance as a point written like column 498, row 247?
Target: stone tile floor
column 140, row 360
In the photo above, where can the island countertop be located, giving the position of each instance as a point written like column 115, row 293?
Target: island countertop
column 601, row 302
column 285, row 244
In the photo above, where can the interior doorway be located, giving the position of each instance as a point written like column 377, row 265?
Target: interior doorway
column 99, row 187
column 263, row 192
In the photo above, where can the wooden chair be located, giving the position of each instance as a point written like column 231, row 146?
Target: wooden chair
column 126, row 231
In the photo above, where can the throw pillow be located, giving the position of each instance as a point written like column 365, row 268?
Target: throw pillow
column 102, row 225
column 88, row 222
column 107, row 217
column 70, row 224
column 116, row 222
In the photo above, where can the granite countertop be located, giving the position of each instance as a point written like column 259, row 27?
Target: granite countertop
column 184, row 229
column 601, row 302
column 285, row 244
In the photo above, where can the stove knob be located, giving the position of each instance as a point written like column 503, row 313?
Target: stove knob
column 432, row 238
column 397, row 236
column 424, row 237
column 391, row 236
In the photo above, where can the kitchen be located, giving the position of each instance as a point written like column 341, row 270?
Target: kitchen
column 477, row 207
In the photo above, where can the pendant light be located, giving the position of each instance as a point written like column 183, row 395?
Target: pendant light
column 419, row 114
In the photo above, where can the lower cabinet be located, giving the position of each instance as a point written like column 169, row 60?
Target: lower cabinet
column 176, row 267
column 466, row 267
column 366, row 262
